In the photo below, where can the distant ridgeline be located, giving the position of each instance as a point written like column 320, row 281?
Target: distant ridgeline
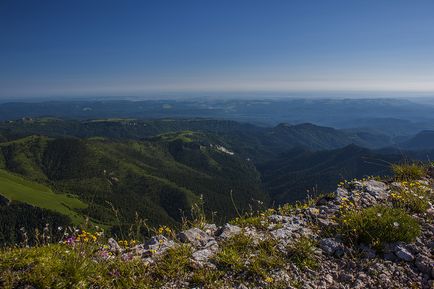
column 111, row 171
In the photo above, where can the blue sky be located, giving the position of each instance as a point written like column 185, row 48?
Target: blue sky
column 50, row 48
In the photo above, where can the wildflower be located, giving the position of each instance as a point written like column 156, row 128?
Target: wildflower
column 379, row 215
column 269, row 280
column 396, row 224
column 59, row 228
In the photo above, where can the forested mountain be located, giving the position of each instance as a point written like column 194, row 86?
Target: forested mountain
column 155, row 178
column 158, row 169
column 300, row 171
column 421, row 141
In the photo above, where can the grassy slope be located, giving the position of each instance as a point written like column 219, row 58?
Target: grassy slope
column 18, row 189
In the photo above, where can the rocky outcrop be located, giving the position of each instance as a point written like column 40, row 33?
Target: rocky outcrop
column 339, row 263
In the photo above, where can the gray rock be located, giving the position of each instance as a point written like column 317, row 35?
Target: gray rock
column 329, row 278
column 326, row 222
column 389, row 256
column 195, row 236
column 375, row 188
column 138, row 249
column 279, row 219
column 203, row 255
column 157, row 245
column 282, row 234
column 114, row 246
column 332, row 247
column 210, row 229
column 228, row 231
column 403, row 254
column 341, row 192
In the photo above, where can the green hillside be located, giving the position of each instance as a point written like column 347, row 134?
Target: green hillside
column 299, row 171
column 159, row 178
column 15, row 188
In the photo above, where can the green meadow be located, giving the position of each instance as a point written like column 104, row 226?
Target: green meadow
column 16, row 188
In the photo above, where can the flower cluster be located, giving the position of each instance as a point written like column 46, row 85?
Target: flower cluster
column 81, row 236
column 85, row 237
column 126, row 243
column 346, row 204
column 413, row 196
column 164, row 230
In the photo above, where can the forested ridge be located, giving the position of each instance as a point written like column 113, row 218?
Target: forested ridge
column 157, row 169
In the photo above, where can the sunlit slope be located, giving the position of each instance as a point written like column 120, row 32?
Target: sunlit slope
column 16, row 188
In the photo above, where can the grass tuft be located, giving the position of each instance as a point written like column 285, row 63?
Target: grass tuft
column 302, row 253
column 379, row 225
column 409, row 171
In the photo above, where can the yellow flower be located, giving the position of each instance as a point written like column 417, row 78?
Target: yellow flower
column 269, row 280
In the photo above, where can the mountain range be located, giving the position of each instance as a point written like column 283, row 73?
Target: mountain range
column 112, row 171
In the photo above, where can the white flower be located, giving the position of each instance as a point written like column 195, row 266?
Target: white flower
column 59, row 228
column 379, row 215
column 396, row 224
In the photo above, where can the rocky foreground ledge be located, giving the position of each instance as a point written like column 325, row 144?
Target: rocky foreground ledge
column 367, row 234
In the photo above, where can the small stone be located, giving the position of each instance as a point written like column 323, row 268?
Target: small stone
column 157, row 245
column 403, row 254
column 328, row 278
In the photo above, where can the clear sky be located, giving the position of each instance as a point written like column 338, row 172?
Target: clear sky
column 107, row 47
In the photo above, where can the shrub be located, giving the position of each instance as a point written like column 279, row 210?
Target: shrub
column 408, row 172
column 379, row 225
